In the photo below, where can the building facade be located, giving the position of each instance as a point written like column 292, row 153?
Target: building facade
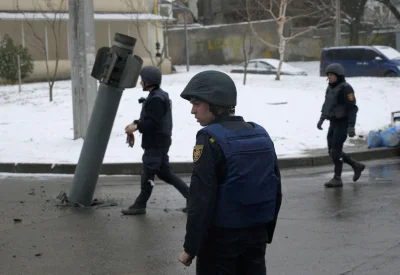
column 42, row 27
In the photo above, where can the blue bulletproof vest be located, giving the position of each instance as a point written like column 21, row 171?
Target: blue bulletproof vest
column 248, row 195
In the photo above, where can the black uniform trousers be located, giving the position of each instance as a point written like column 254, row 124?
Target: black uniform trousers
column 156, row 162
column 337, row 135
column 233, row 252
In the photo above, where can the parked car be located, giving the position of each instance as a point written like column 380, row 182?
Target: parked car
column 363, row 60
column 267, row 66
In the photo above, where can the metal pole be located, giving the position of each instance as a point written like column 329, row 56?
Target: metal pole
column 187, row 41
column 337, row 25
column 23, row 34
column 109, row 33
column 19, row 73
column 95, row 145
column 116, row 69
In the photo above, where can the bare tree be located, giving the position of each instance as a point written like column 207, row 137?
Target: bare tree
column 247, row 39
column 352, row 14
column 379, row 21
column 392, row 7
column 137, row 19
column 247, row 51
column 52, row 13
column 278, row 10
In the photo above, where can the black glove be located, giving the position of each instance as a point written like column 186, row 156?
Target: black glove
column 141, row 100
column 351, row 131
column 319, row 125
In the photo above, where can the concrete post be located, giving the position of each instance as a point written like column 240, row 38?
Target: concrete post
column 81, row 31
column 186, row 40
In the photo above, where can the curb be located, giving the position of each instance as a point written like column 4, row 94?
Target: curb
column 186, row 167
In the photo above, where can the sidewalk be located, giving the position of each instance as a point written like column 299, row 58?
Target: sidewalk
column 315, row 157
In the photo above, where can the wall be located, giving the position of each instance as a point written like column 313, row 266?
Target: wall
column 64, row 69
column 99, row 5
column 224, row 44
column 34, row 34
column 221, row 44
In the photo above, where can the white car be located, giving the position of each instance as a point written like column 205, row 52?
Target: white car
column 267, row 66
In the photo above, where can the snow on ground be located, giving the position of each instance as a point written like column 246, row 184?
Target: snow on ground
column 34, row 130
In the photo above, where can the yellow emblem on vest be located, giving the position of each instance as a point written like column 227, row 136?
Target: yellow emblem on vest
column 350, row 97
column 197, row 151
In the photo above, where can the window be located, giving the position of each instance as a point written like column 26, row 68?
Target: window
column 264, row 66
column 370, row 55
column 251, row 65
column 330, row 55
column 348, row 54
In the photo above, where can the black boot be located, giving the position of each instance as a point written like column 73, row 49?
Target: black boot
column 335, row 182
column 134, row 210
column 358, row 168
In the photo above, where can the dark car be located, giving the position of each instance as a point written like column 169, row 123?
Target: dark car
column 363, row 60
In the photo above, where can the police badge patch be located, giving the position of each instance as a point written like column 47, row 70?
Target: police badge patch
column 350, row 97
column 197, row 151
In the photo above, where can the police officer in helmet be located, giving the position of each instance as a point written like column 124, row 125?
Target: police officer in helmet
column 235, row 190
column 155, row 123
column 341, row 110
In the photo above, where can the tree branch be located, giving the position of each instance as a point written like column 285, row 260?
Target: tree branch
column 306, row 31
column 269, row 10
column 391, row 7
column 254, row 31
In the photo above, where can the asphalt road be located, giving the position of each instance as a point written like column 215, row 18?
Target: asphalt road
column 351, row 230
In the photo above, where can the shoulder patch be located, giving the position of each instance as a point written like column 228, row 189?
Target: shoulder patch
column 197, row 151
column 212, row 140
column 350, row 97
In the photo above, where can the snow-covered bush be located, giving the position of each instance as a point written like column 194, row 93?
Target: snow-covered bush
column 9, row 60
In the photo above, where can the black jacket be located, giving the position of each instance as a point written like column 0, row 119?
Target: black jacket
column 155, row 110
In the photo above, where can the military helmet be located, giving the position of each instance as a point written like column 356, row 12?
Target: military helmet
column 151, row 75
column 213, row 87
column 335, row 68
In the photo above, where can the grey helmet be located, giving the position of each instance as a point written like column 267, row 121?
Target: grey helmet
column 213, row 87
column 151, row 75
column 335, row 68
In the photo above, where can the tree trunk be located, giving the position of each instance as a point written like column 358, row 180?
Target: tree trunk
column 48, row 81
column 245, row 73
column 354, row 32
column 282, row 46
column 245, row 59
column 51, row 91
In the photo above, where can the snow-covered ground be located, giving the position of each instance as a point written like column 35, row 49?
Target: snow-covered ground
column 34, row 130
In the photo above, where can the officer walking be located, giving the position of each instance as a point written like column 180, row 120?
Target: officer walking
column 235, row 190
column 341, row 110
column 155, row 124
